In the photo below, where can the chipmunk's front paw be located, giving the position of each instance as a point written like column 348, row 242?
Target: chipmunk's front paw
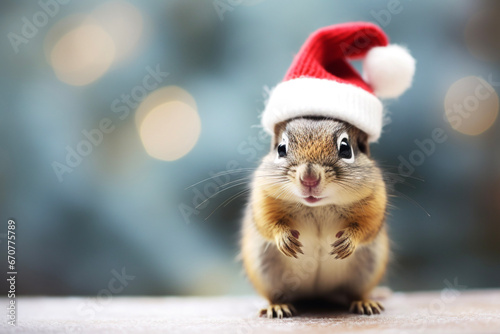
column 344, row 246
column 288, row 243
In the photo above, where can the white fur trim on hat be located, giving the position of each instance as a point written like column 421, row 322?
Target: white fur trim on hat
column 389, row 70
column 320, row 97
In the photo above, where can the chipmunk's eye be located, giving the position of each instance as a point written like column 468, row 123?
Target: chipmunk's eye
column 282, row 147
column 282, row 150
column 345, row 149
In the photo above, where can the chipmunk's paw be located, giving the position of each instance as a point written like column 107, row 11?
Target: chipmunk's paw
column 368, row 307
column 288, row 243
column 344, row 246
column 279, row 311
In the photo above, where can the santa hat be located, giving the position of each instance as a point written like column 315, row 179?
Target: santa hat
column 322, row 82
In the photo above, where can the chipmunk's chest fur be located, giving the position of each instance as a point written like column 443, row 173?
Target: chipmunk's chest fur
column 316, row 273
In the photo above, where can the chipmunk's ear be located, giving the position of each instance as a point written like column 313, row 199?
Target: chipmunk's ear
column 363, row 144
column 278, row 133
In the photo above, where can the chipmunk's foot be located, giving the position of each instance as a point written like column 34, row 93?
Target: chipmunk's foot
column 279, row 311
column 368, row 307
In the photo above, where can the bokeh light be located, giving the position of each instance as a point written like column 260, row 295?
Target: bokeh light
column 160, row 96
column 83, row 54
column 471, row 105
column 124, row 23
column 168, row 123
column 82, row 48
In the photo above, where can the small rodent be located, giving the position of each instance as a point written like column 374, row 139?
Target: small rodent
column 315, row 223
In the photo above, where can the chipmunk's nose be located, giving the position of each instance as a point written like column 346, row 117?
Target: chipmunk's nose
column 309, row 180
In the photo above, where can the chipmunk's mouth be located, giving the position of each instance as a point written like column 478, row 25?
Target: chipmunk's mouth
column 312, row 199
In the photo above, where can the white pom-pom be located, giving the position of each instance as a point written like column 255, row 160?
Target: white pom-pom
column 389, row 70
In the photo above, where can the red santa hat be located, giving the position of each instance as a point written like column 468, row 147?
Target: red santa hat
column 322, row 82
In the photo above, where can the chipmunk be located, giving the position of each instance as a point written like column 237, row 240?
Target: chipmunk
column 314, row 226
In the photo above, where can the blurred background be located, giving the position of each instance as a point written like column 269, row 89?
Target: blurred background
column 112, row 112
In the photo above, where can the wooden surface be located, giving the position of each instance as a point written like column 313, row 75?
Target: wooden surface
column 447, row 311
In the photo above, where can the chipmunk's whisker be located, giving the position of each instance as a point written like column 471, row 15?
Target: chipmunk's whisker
column 220, row 191
column 239, row 170
column 227, row 201
column 411, row 200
